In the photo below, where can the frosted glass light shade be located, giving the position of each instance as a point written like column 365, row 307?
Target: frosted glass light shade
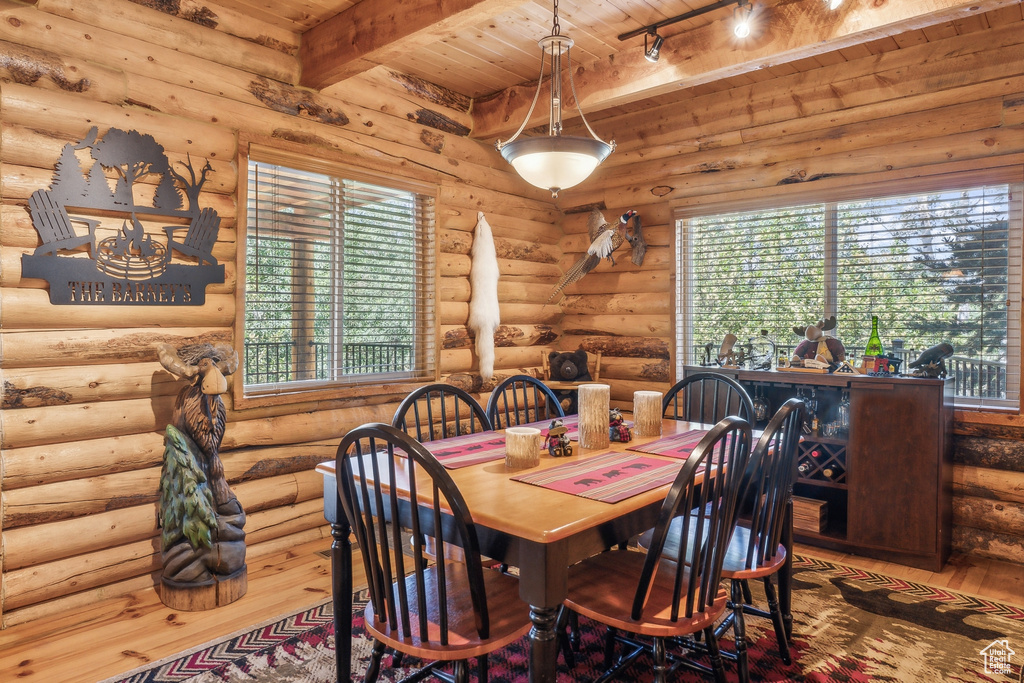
column 555, row 162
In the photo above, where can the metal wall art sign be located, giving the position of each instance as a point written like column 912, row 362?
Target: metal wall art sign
column 110, row 245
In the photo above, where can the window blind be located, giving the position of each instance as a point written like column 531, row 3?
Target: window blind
column 339, row 279
column 942, row 266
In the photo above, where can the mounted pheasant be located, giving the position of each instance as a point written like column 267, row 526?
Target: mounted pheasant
column 605, row 238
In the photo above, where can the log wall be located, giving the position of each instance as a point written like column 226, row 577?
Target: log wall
column 951, row 104
column 85, row 401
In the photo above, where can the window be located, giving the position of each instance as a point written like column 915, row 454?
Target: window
column 938, row 266
column 338, row 278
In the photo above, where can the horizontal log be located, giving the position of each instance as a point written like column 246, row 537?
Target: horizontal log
column 80, row 460
column 458, row 265
column 70, row 499
column 55, row 424
column 67, row 500
column 648, row 369
column 45, row 69
column 988, row 544
column 20, row 309
column 628, row 347
column 459, row 242
column 1001, row 454
column 632, row 325
column 32, row 148
column 457, row 313
column 139, row 22
column 303, row 427
column 60, row 606
column 622, row 389
column 983, row 482
column 481, row 388
column 504, row 221
column 36, row 387
column 464, row 360
column 72, row 117
column 458, row 289
column 82, row 572
column 992, row 515
column 56, row 579
column 63, row 348
column 644, row 281
column 261, row 462
column 656, row 258
column 457, row 336
column 642, row 304
column 40, row 543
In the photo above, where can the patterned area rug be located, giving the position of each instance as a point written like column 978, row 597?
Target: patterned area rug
column 849, row 626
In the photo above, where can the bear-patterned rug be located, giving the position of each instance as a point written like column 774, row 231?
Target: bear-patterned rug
column 849, row 625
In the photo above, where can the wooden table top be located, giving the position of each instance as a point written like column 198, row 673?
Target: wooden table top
column 538, row 514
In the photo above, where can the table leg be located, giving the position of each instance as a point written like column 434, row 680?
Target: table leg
column 786, row 573
column 543, row 644
column 341, row 590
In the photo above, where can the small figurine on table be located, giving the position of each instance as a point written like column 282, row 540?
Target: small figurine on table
column 617, row 429
column 558, row 440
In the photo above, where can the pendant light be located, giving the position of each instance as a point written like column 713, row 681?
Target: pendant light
column 555, row 161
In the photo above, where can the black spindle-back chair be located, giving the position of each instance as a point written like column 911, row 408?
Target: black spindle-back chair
column 440, row 411
column 395, row 494
column 707, row 397
column 521, row 399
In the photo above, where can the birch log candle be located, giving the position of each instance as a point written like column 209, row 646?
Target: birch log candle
column 593, row 403
column 647, row 413
column 522, row 447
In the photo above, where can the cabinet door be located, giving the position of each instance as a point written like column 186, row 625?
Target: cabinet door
column 894, row 466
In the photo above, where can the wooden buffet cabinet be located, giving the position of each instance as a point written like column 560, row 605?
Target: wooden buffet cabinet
column 890, row 497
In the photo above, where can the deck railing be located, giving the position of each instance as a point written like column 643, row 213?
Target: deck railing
column 972, row 378
column 272, row 362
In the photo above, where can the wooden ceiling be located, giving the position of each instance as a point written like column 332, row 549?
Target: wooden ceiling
column 487, row 49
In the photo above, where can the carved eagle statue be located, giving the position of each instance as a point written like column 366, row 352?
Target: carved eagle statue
column 605, row 238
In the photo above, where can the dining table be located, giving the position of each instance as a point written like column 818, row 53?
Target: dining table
column 539, row 530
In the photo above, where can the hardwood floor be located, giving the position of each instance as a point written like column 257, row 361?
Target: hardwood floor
column 119, row 634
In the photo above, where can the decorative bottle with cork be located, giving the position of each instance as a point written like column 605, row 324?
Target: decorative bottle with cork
column 874, row 345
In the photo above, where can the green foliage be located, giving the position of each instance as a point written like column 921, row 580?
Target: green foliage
column 186, row 501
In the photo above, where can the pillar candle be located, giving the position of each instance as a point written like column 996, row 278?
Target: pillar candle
column 647, row 413
column 593, row 403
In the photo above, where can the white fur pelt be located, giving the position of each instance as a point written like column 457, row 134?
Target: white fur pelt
column 484, row 316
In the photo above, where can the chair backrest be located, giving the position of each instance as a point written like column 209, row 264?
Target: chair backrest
column 202, row 231
column 707, row 397
column 770, row 484
column 440, row 411
column 49, row 217
column 369, row 459
column 704, row 496
column 521, row 399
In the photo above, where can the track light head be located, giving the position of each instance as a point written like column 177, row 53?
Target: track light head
column 742, row 18
column 654, row 52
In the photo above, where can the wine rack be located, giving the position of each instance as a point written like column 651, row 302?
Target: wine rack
column 826, row 463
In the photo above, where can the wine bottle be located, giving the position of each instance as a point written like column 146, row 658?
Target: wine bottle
column 832, row 472
column 874, row 345
column 804, row 468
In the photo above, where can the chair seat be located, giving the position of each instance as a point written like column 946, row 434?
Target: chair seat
column 602, row 588
column 509, row 617
column 734, row 566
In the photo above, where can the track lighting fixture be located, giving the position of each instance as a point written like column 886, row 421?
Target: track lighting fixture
column 741, row 18
column 652, row 53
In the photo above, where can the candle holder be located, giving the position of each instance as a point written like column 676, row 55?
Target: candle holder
column 522, row 447
column 647, row 413
column 594, row 400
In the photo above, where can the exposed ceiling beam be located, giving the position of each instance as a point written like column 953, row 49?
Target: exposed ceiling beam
column 792, row 31
column 374, row 31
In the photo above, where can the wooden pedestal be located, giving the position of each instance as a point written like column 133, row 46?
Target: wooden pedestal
column 195, row 597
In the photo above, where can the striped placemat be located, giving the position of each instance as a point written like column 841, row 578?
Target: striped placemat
column 607, row 477
column 675, row 446
column 468, row 449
